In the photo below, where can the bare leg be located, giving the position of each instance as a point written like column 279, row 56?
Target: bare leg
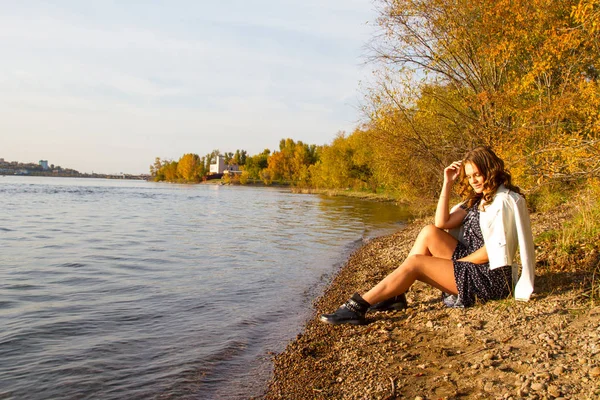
column 429, row 261
column 437, row 272
column 433, row 241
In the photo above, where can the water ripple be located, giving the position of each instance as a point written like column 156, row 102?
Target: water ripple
column 127, row 289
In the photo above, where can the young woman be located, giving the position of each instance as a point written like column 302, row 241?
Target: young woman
column 475, row 261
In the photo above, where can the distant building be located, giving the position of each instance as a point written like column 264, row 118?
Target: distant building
column 219, row 167
column 232, row 169
column 44, row 164
column 1, row 160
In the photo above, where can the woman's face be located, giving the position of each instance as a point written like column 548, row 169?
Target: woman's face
column 475, row 177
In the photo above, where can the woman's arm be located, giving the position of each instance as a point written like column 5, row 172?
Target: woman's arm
column 479, row 256
column 443, row 218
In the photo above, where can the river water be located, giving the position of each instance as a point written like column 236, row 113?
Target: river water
column 121, row 289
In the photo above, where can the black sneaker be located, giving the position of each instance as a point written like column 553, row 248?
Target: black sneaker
column 395, row 303
column 351, row 312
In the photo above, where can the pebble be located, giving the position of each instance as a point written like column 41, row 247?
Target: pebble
column 429, row 324
column 543, row 376
column 419, row 398
column 558, row 371
column 553, row 391
column 537, row 386
column 518, row 382
column 595, row 371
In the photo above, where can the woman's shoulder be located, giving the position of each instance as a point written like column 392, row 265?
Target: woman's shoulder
column 505, row 194
column 505, row 199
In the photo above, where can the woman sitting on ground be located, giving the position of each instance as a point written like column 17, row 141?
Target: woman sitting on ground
column 473, row 263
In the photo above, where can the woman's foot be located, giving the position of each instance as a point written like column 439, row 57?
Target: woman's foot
column 395, row 303
column 351, row 312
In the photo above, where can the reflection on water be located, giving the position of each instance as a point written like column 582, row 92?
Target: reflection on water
column 131, row 289
column 378, row 218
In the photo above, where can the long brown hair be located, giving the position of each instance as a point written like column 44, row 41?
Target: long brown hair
column 494, row 174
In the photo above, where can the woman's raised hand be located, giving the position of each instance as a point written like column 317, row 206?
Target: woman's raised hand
column 451, row 172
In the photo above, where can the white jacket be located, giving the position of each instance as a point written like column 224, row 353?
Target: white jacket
column 505, row 224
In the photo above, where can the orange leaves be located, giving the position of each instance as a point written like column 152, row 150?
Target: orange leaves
column 187, row 167
column 291, row 163
column 587, row 13
column 520, row 75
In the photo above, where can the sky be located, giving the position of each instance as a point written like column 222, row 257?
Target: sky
column 106, row 86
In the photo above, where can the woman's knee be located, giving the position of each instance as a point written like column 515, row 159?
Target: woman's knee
column 412, row 262
column 430, row 230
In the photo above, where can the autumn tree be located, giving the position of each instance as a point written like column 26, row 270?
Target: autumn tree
column 346, row 163
column 188, row 167
column 256, row 163
column 154, row 168
column 239, row 158
column 291, row 163
column 169, row 171
column 518, row 75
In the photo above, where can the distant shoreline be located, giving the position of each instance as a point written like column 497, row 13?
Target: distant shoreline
column 86, row 176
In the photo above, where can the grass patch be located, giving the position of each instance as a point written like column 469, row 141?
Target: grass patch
column 547, row 198
column 583, row 231
column 574, row 247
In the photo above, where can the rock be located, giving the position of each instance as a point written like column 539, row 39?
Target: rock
column 429, row 324
column 517, row 383
column 488, row 387
column 537, row 386
column 558, row 371
column 594, row 372
column 419, row 398
column 544, row 376
column 553, row 391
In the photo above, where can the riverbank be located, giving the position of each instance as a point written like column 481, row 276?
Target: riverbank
column 548, row 347
column 363, row 195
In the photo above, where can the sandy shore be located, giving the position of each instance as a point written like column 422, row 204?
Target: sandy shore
column 548, row 347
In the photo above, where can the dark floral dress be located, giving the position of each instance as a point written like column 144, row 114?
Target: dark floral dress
column 476, row 282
